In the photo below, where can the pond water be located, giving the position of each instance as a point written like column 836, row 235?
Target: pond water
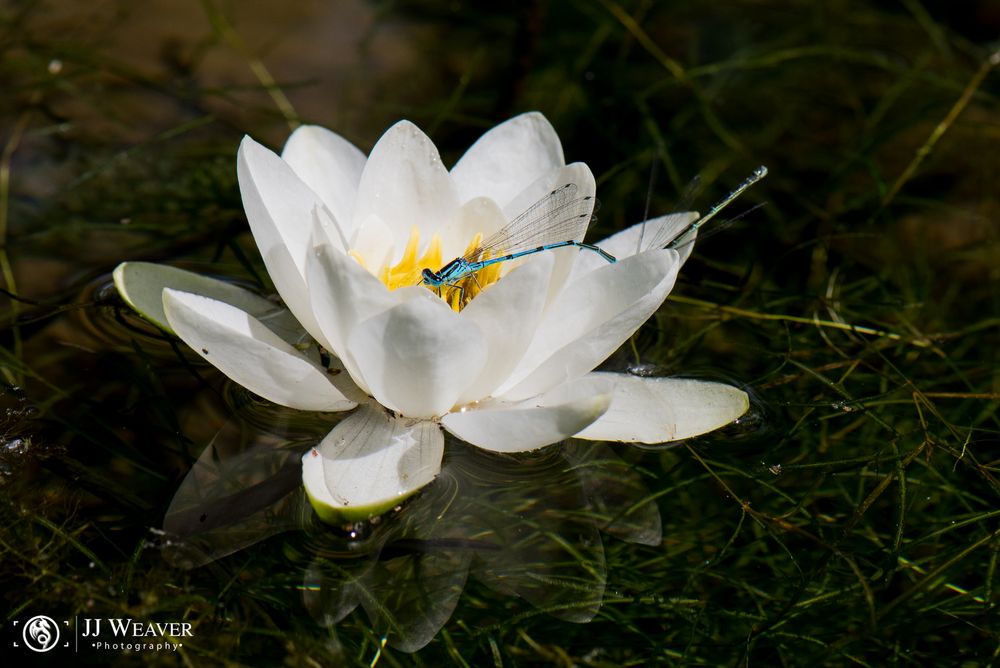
column 848, row 518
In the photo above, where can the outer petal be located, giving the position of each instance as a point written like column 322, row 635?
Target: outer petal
column 141, row 285
column 655, row 410
column 534, row 424
column 282, row 211
column 418, row 357
column 641, row 236
column 330, row 165
column 369, row 463
column 590, row 319
column 508, row 313
column 250, row 354
column 404, row 184
column 505, row 160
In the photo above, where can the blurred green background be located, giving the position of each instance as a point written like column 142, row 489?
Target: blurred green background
column 849, row 520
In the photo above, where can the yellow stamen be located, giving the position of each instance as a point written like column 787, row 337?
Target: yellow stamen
column 408, row 270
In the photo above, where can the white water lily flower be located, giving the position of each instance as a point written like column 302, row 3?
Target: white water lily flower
column 505, row 364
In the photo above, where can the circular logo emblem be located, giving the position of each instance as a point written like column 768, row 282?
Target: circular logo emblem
column 41, row 633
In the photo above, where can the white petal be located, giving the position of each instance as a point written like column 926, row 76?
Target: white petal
column 532, row 424
column 369, row 463
column 330, row 165
column 480, row 215
column 250, row 354
column 626, row 243
column 418, row 357
column 343, row 294
column 404, row 184
column 508, row 158
column 590, row 319
column 141, row 285
column 655, row 410
column 508, row 313
column 282, row 211
column 376, row 242
column 578, row 174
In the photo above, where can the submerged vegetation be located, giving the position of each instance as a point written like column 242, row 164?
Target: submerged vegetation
column 850, row 518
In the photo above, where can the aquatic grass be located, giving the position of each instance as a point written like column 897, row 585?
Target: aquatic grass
column 851, row 519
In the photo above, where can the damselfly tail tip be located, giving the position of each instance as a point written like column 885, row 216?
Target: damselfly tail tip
column 687, row 235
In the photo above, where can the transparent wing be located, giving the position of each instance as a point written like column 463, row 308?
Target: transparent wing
column 562, row 215
column 666, row 234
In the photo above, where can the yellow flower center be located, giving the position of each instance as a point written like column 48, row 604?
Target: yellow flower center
column 408, row 271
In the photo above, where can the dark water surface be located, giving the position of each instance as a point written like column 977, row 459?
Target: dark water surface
column 849, row 519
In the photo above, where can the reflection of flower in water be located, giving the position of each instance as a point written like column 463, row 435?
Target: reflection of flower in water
column 529, row 528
